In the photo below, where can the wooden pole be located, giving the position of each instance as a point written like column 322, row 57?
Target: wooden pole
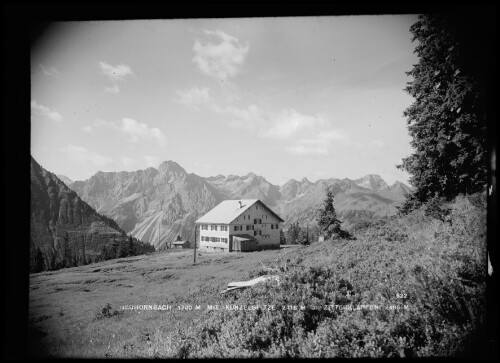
column 159, row 232
column 194, row 242
column 307, row 234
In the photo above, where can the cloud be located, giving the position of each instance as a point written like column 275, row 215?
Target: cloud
column 194, row 97
column 314, row 132
column 103, row 123
column 245, row 118
column 99, row 123
column 137, row 131
column 289, row 122
column 222, row 60
column 320, row 144
column 116, row 73
column 82, row 155
column 279, row 125
column 152, row 161
column 40, row 110
column 114, row 89
column 51, row 71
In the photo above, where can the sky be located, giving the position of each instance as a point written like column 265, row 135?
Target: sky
column 290, row 97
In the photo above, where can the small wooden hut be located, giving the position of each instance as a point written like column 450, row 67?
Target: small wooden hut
column 244, row 243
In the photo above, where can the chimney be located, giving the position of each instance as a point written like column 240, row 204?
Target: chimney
column 241, row 206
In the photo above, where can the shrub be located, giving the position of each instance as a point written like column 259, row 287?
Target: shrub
column 107, row 312
column 436, row 208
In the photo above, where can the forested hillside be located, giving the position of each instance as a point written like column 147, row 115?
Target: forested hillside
column 67, row 232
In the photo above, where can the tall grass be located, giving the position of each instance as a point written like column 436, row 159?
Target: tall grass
column 435, row 266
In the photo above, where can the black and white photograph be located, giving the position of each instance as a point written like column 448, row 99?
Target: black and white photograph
column 307, row 186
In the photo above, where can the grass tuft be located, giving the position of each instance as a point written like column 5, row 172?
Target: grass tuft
column 107, row 312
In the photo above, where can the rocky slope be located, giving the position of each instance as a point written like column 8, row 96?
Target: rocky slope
column 371, row 181
column 64, row 179
column 363, row 198
column 64, row 229
column 250, row 186
column 156, row 205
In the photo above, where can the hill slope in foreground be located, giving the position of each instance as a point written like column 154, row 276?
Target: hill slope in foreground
column 431, row 272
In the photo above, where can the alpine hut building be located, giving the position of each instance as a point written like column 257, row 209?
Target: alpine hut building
column 239, row 225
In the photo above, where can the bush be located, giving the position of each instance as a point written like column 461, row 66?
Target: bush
column 107, row 312
column 436, row 208
column 361, row 226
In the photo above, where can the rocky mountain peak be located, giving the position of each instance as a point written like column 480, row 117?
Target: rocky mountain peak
column 371, row 181
column 170, row 166
column 231, row 177
column 398, row 185
column 215, row 178
column 64, row 179
column 290, row 182
column 304, row 180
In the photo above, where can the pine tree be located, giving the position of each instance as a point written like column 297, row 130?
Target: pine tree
column 68, row 261
column 303, row 238
column 104, row 253
column 37, row 260
column 123, row 250
column 293, row 233
column 54, row 263
column 447, row 121
column 327, row 220
column 282, row 237
column 131, row 247
column 113, row 249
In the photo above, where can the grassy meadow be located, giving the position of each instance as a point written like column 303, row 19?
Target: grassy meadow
column 66, row 306
column 420, row 280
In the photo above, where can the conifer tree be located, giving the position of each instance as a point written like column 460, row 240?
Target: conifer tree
column 123, row 250
column 282, row 237
column 68, row 261
column 37, row 260
column 293, row 234
column 328, row 222
column 303, row 238
column 113, row 249
column 131, row 247
column 447, row 121
column 104, row 253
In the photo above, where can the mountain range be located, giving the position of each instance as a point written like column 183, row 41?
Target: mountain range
column 157, row 205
